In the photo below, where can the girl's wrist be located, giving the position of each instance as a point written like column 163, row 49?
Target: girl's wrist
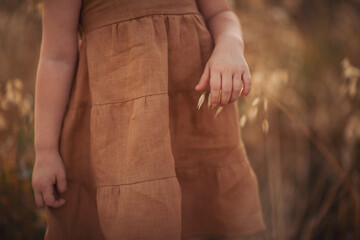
column 230, row 39
column 46, row 150
column 46, row 147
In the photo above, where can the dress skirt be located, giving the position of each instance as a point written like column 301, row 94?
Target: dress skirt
column 142, row 161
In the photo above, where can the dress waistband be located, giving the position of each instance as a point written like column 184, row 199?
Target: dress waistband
column 99, row 13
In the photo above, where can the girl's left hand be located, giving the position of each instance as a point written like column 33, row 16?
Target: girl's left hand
column 226, row 70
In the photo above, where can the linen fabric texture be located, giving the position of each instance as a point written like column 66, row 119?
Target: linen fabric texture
column 142, row 161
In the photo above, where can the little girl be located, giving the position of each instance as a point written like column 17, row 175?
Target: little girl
column 123, row 151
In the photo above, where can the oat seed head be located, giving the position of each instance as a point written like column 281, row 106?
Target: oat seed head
column 252, row 113
column 255, row 101
column 242, row 121
column 265, row 104
column 218, row 110
column 201, row 100
column 265, row 126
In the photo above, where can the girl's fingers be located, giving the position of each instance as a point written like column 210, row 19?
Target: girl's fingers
column 236, row 86
column 226, row 87
column 204, row 80
column 49, row 197
column 246, row 77
column 61, row 184
column 39, row 200
column 215, row 83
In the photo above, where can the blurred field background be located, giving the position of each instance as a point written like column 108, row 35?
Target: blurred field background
column 300, row 123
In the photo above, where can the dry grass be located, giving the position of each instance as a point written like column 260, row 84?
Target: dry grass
column 300, row 123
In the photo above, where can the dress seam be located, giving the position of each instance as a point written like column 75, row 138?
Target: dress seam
column 121, row 184
column 116, row 102
column 221, row 165
column 251, row 231
column 230, row 164
column 142, row 16
column 127, row 100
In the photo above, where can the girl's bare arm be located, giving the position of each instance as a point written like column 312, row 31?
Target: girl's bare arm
column 227, row 68
column 56, row 68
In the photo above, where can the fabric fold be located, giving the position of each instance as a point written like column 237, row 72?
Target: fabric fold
column 142, row 161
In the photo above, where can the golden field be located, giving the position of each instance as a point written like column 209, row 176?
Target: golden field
column 300, row 123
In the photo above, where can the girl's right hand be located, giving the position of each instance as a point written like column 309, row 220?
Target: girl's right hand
column 48, row 178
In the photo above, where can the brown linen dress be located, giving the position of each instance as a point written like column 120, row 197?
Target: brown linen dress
column 142, row 162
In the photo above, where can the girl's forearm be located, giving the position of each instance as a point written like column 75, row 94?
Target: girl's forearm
column 53, row 83
column 225, row 25
column 56, row 69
